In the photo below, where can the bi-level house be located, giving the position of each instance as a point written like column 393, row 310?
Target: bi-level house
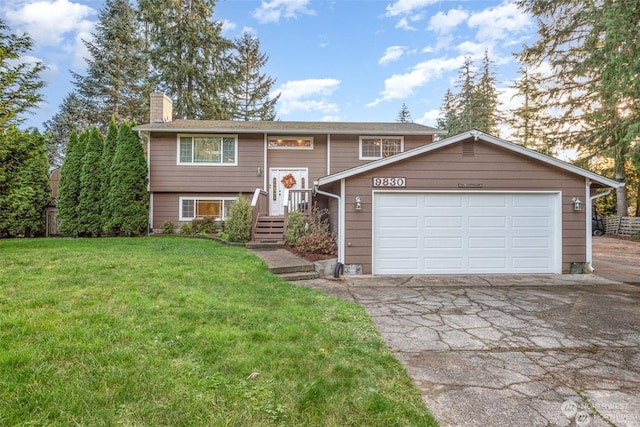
column 401, row 200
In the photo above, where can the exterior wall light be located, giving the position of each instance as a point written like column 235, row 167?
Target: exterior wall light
column 358, row 203
column 259, row 171
column 577, row 204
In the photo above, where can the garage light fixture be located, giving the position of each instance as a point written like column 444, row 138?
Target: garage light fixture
column 577, row 204
column 358, row 203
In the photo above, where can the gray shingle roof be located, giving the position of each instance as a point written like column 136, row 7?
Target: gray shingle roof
column 290, row 127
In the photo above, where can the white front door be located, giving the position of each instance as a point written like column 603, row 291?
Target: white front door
column 278, row 177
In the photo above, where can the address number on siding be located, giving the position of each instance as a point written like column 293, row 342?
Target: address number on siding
column 389, row 182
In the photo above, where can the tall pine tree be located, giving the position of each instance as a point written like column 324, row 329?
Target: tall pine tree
column 90, row 201
column 404, row 115
column 108, row 151
column 69, row 186
column 116, row 83
column 592, row 48
column 72, row 114
column 128, row 197
column 189, row 56
column 250, row 92
column 24, row 182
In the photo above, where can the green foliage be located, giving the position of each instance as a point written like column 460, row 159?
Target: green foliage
column 204, row 226
column 250, row 91
column 24, row 182
column 69, row 186
column 189, row 56
column 116, row 83
column 20, row 81
column 167, row 227
column 317, row 238
column 128, row 197
column 238, row 224
column 296, row 227
column 186, row 229
column 404, row 115
column 90, row 203
column 475, row 106
column 108, row 152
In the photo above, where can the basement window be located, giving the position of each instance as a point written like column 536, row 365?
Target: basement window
column 203, row 207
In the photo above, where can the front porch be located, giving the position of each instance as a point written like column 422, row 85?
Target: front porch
column 270, row 230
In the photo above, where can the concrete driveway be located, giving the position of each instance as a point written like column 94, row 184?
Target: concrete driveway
column 539, row 350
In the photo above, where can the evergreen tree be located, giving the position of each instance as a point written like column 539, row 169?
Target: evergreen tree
column 128, row 197
column 72, row 114
column 249, row 95
column 90, row 201
column 24, row 182
column 189, row 56
column 69, row 186
column 109, row 150
column 448, row 119
column 20, row 81
column 404, row 116
column 475, row 106
column 116, row 84
column 486, row 112
column 594, row 84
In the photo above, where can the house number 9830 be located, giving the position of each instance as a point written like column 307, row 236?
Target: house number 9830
column 389, row 182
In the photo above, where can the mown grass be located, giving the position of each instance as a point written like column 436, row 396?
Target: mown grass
column 172, row 331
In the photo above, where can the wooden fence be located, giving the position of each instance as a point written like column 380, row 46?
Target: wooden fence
column 623, row 225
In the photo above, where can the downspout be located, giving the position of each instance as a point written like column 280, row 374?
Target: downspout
column 589, row 219
column 340, row 242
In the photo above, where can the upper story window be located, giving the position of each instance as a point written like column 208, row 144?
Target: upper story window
column 373, row 148
column 290, row 143
column 208, row 150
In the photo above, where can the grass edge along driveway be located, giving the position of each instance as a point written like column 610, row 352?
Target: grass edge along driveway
column 174, row 331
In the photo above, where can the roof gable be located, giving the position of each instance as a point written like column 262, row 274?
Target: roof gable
column 476, row 135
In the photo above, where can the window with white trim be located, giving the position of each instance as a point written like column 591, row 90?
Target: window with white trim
column 373, row 147
column 201, row 207
column 290, row 143
column 208, row 150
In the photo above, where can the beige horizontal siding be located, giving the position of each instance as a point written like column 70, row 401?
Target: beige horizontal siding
column 167, row 175
column 345, row 152
column 496, row 169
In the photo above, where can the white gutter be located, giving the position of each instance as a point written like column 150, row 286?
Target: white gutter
column 589, row 219
column 340, row 218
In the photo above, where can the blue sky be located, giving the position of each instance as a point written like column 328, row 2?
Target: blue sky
column 341, row 60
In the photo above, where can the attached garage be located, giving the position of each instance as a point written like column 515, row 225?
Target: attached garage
column 468, row 204
column 466, row 233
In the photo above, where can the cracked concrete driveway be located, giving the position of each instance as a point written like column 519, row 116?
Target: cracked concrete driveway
column 511, row 350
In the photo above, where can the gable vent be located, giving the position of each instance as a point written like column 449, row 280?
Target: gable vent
column 468, row 149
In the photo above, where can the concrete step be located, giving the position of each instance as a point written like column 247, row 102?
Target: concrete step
column 302, row 267
column 265, row 245
column 292, row 277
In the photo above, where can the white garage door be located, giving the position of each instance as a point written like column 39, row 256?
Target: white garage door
column 462, row 233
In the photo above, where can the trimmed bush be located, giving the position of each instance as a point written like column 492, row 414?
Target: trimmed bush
column 296, row 226
column 238, row 225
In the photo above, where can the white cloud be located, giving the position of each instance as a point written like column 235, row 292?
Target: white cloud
column 500, row 22
column 307, row 95
column 403, row 24
column 402, row 86
column 393, row 53
column 272, row 11
column 228, row 27
column 429, row 118
column 47, row 22
column 444, row 23
column 405, row 7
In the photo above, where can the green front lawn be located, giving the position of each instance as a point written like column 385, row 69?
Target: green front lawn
column 173, row 331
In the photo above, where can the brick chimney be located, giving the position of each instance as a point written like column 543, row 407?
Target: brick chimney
column 161, row 108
